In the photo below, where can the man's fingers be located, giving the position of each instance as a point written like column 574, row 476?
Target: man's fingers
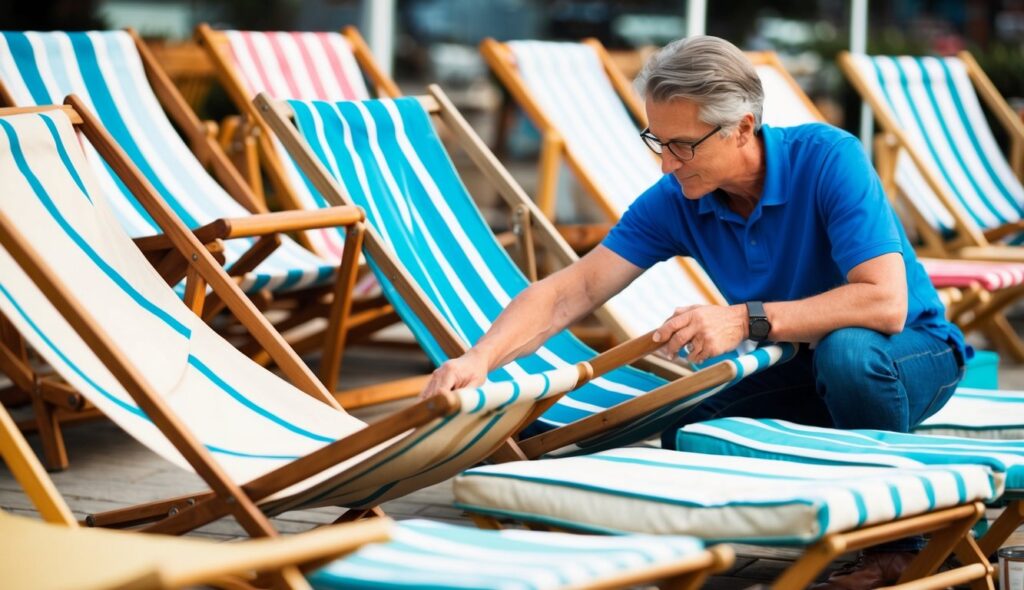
column 673, row 324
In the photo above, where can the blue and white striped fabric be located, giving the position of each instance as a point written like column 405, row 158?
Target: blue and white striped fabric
column 715, row 498
column 778, row 439
column 601, row 136
column 979, row 413
column 248, row 418
column 933, row 101
column 105, row 70
column 388, row 159
column 424, row 554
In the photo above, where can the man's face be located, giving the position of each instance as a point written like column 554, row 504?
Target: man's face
column 676, row 120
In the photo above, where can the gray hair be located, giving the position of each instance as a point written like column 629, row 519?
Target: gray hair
column 708, row 71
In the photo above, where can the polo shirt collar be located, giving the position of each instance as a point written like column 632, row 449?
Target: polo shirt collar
column 775, row 191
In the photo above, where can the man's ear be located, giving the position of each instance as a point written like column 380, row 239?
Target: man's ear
column 745, row 130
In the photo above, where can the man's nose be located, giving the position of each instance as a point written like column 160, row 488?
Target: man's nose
column 669, row 162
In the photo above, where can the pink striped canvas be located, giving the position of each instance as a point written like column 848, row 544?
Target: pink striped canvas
column 992, row 276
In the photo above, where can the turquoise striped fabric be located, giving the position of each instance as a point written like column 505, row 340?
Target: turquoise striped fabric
column 778, row 439
column 105, row 70
column 934, row 102
column 713, row 497
column 426, row 554
column 979, row 413
column 250, row 420
column 387, row 157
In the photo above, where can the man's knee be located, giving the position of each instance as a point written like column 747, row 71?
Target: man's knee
column 849, row 356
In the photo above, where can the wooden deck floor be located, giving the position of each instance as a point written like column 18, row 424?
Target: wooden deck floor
column 110, row 470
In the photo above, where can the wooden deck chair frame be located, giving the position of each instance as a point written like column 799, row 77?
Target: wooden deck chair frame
column 346, row 319
column 970, row 242
column 283, row 556
column 554, row 150
column 636, row 351
column 226, row 497
column 949, row 530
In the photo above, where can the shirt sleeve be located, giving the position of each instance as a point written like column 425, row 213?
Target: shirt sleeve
column 642, row 235
column 860, row 223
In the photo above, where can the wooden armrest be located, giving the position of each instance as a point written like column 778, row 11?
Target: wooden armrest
column 285, row 221
column 207, row 234
column 1008, row 229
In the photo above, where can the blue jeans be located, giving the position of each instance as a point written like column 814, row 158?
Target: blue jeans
column 855, row 378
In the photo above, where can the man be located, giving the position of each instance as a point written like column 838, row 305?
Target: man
column 794, row 228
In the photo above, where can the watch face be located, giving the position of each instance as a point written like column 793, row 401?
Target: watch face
column 759, row 329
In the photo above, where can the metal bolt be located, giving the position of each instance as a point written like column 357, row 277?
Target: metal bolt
column 195, row 257
column 191, row 501
column 172, row 511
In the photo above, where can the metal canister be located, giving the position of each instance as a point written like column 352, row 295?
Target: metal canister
column 1011, row 568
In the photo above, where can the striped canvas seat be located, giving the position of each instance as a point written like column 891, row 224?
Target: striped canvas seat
column 979, row 413
column 302, row 65
column 934, row 103
column 426, row 554
column 248, row 418
column 600, row 134
column 713, row 497
column 387, row 157
column 779, row 439
column 105, row 70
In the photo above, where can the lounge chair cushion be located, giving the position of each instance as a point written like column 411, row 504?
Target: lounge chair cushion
column 778, row 439
column 713, row 497
column 424, row 554
column 979, row 413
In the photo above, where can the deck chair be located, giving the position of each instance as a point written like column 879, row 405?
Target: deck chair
column 117, row 77
column 829, row 509
column 430, row 553
column 778, row 439
column 986, row 287
column 127, row 342
column 966, row 195
column 321, row 66
column 591, row 125
column 445, row 273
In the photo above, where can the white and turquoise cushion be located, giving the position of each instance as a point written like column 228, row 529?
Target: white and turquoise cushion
column 778, row 439
column 104, row 70
column 979, row 413
column 713, row 497
column 386, row 155
column 424, row 554
column 933, row 101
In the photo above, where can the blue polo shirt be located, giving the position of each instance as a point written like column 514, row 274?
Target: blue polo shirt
column 822, row 212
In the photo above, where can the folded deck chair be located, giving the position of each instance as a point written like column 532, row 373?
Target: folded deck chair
column 321, row 66
column 778, row 439
column 987, row 287
column 125, row 340
column 965, row 194
column 430, row 554
column 830, row 509
column 588, row 118
column 446, row 274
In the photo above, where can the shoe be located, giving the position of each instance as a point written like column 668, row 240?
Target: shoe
column 871, row 570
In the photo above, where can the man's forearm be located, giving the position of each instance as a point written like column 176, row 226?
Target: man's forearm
column 852, row 305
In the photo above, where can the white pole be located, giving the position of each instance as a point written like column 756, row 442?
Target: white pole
column 379, row 19
column 696, row 17
column 859, row 44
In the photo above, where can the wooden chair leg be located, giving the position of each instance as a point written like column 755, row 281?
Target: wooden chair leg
column 940, row 546
column 355, row 514
column 806, row 568
column 488, row 523
column 999, row 330
column 55, row 454
column 1004, row 526
column 337, row 325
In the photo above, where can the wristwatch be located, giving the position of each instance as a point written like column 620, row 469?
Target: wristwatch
column 757, row 321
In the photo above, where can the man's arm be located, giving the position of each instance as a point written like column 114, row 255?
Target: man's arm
column 875, row 298
column 542, row 310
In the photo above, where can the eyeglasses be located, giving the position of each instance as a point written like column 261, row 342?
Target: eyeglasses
column 682, row 150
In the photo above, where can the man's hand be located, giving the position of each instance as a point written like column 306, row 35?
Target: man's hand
column 709, row 330
column 469, row 370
